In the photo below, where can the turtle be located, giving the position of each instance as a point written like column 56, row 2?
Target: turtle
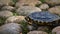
column 43, row 18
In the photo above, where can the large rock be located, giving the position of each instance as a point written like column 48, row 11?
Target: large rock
column 25, row 10
column 5, row 14
column 15, row 19
column 55, row 10
column 27, row 3
column 37, row 32
column 56, row 30
column 52, row 2
column 11, row 28
column 6, row 2
column 44, row 6
column 10, row 8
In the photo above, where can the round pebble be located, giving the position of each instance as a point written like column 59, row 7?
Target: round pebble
column 10, row 28
column 5, row 14
column 37, row 32
column 26, row 10
column 15, row 19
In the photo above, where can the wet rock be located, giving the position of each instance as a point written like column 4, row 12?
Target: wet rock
column 44, row 6
column 55, row 10
column 25, row 10
column 10, row 8
column 5, row 14
column 56, row 30
column 27, row 3
column 37, row 32
column 52, row 2
column 11, row 28
column 15, row 19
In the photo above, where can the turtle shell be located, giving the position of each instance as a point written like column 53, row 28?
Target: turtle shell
column 43, row 18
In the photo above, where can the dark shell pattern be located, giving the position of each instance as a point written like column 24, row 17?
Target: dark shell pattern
column 43, row 16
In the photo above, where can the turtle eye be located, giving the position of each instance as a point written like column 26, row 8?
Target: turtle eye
column 27, row 18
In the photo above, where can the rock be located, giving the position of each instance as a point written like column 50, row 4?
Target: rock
column 15, row 19
column 6, row 2
column 37, row 32
column 56, row 30
column 1, row 5
column 25, row 10
column 31, row 28
column 43, row 28
column 10, row 8
column 5, row 14
column 44, row 6
column 27, row 3
column 55, row 10
column 52, row 2
column 10, row 28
